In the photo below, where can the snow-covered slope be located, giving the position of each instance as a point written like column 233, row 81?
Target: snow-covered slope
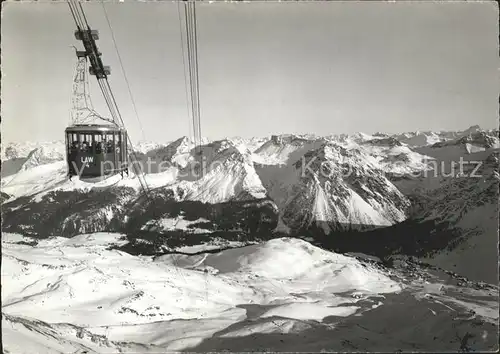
column 176, row 153
column 468, row 203
column 452, row 150
column 416, row 139
column 43, row 155
column 333, row 188
column 428, row 138
column 220, row 171
column 137, row 299
column 395, row 157
column 144, row 147
column 73, row 295
column 251, row 144
column 22, row 150
column 282, row 148
column 18, row 157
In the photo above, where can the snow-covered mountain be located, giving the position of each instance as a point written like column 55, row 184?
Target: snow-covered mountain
column 22, row 150
column 18, row 157
column 333, row 188
column 221, row 171
column 427, row 138
column 43, row 155
column 465, row 203
column 300, row 185
column 279, row 149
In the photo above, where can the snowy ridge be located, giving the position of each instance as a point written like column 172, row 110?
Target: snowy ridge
column 44, row 154
column 144, row 147
column 416, row 139
column 22, row 150
column 221, row 171
column 462, row 146
column 280, row 148
column 176, row 153
column 395, row 157
column 340, row 188
column 78, row 295
column 124, row 298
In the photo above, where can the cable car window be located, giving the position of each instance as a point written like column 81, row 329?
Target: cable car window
column 84, row 140
column 69, row 143
column 73, row 143
column 98, row 143
column 103, row 142
column 110, row 144
column 118, row 140
column 88, row 138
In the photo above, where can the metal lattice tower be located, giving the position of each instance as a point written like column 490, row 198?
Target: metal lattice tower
column 82, row 110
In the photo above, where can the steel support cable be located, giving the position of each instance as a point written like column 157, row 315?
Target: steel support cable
column 190, row 65
column 108, row 101
column 191, row 24
column 144, row 184
column 196, row 81
column 83, row 15
column 195, row 71
column 123, row 69
column 140, row 173
column 73, row 9
column 193, row 55
column 78, row 10
column 76, row 15
column 189, row 37
column 184, row 66
column 196, row 76
column 193, row 61
column 108, row 95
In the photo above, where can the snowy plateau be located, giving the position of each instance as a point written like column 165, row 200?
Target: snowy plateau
column 352, row 243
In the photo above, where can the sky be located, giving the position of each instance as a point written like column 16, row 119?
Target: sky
column 264, row 68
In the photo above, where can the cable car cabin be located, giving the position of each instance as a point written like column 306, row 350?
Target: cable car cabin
column 96, row 150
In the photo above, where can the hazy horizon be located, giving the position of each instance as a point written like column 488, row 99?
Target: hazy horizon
column 265, row 68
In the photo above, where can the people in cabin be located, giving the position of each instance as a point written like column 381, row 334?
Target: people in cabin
column 110, row 146
column 73, row 153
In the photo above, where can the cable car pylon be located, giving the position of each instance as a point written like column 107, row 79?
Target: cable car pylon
column 96, row 149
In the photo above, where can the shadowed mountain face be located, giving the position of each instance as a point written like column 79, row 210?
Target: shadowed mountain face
column 155, row 219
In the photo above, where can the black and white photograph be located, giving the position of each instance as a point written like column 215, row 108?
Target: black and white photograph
column 249, row 176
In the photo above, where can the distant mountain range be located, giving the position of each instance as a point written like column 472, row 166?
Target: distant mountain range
column 261, row 188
